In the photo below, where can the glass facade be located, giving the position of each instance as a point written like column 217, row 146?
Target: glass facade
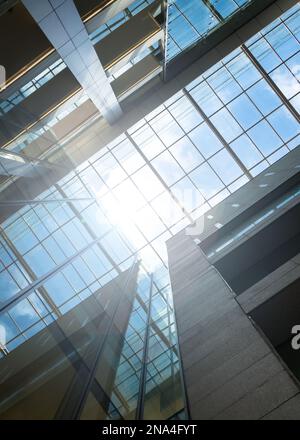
column 119, row 19
column 50, row 72
column 30, row 87
column 158, row 177
column 193, row 20
column 247, row 228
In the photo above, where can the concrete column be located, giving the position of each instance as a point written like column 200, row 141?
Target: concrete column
column 229, row 369
column 62, row 25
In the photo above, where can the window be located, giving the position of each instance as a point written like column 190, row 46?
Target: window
column 225, row 166
column 205, row 140
column 206, row 181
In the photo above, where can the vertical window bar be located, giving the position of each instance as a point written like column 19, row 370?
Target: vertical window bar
column 271, row 83
column 220, row 137
column 214, row 11
column 143, row 377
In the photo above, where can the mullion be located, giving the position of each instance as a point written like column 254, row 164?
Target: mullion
column 271, row 83
column 241, row 94
column 220, row 137
column 158, row 176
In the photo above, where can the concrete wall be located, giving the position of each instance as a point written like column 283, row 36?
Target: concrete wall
column 31, row 109
column 230, row 370
column 21, row 40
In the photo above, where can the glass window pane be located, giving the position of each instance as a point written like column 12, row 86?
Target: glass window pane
column 18, row 273
column 54, row 250
column 115, row 247
column 8, row 286
column 168, row 168
column 225, row 7
column 148, row 142
column 180, row 32
column 198, row 15
column 264, row 97
column 284, row 123
column 166, row 128
column 8, row 330
column 283, row 42
column 206, row 181
column 128, row 156
column 294, row 65
column 186, row 154
column 206, row 98
column 39, row 261
column 109, row 170
column 243, row 71
column 129, row 197
column 225, row 166
column 293, row 21
column 244, row 112
column 226, row 125
column 224, row 85
column 265, row 55
column 21, row 236
column 185, row 114
column 149, row 223
column 205, row 140
column 148, row 183
column 246, row 151
column 278, row 155
column 96, row 261
column 24, row 314
column 187, row 194
column 286, row 81
column 265, row 138
column 296, row 102
column 59, row 289
column 167, row 209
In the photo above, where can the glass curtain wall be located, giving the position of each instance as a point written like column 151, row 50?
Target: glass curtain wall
column 56, row 67
column 90, row 340
column 190, row 21
column 54, row 373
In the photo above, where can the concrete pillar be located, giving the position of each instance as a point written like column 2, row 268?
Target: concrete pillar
column 62, row 25
column 229, row 369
